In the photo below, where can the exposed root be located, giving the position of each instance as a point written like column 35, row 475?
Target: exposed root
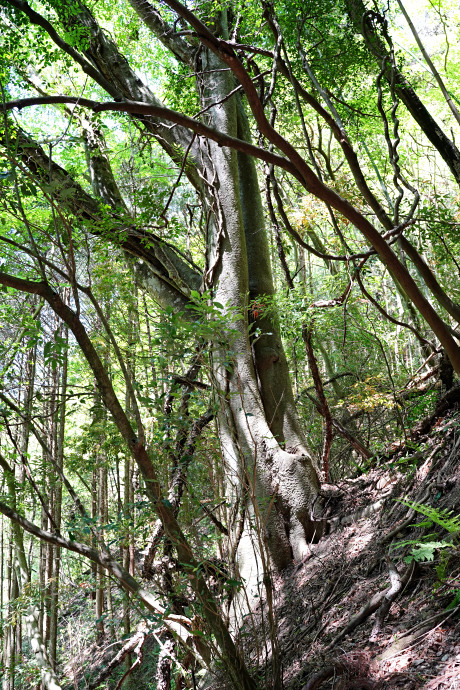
column 398, row 583
column 318, row 679
column 410, row 637
column 395, row 588
column 352, row 668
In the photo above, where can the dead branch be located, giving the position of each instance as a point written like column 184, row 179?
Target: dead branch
column 324, row 407
column 128, row 647
column 332, row 379
column 163, row 674
column 138, row 661
column 357, row 445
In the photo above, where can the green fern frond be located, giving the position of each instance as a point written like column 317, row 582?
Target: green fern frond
column 446, row 519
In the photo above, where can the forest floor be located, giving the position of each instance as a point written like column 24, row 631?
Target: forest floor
column 354, row 614
column 357, row 613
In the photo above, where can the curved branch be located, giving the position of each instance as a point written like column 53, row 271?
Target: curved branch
column 110, row 69
column 160, row 262
column 235, row 665
column 384, row 313
column 113, row 567
column 363, row 24
column 316, row 187
column 302, row 172
column 429, row 279
column 139, row 108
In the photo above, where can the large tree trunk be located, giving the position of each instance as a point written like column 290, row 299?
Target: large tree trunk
column 258, row 410
column 257, row 406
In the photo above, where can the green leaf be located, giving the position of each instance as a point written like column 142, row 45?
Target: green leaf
column 455, row 602
column 425, row 552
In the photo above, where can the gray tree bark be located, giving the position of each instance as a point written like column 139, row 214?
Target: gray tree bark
column 259, row 413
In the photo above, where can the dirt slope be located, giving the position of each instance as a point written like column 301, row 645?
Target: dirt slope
column 328, row 635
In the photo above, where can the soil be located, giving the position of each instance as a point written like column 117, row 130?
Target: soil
column 418, row 643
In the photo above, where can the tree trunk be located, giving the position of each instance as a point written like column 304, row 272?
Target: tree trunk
column 258, row 413
column 31, row 618
column 257, row 406
column 54, row 590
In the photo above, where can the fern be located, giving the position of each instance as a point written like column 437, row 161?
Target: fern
column 446, row 519
column 424, row 550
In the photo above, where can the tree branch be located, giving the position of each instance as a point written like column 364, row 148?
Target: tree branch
column 138, row 108
column 86, row 66
column 161, row 29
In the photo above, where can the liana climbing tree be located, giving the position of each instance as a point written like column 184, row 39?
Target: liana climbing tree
column 137, row 236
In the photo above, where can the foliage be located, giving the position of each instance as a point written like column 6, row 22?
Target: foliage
column 91, row 203
column 425, row 550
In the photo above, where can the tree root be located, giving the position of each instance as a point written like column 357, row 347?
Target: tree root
column 411, row 513
column 395, row 587
column 398, row 582
column 410, row 637
column 351, row 667
column 318, row 679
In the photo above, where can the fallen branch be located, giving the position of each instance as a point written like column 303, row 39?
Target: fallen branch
column 410, row 382
column 139, row 656
column 129, row 646
column 353, row 668
column 415, row 387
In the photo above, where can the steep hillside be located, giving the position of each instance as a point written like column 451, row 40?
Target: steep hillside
column 375, row 604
